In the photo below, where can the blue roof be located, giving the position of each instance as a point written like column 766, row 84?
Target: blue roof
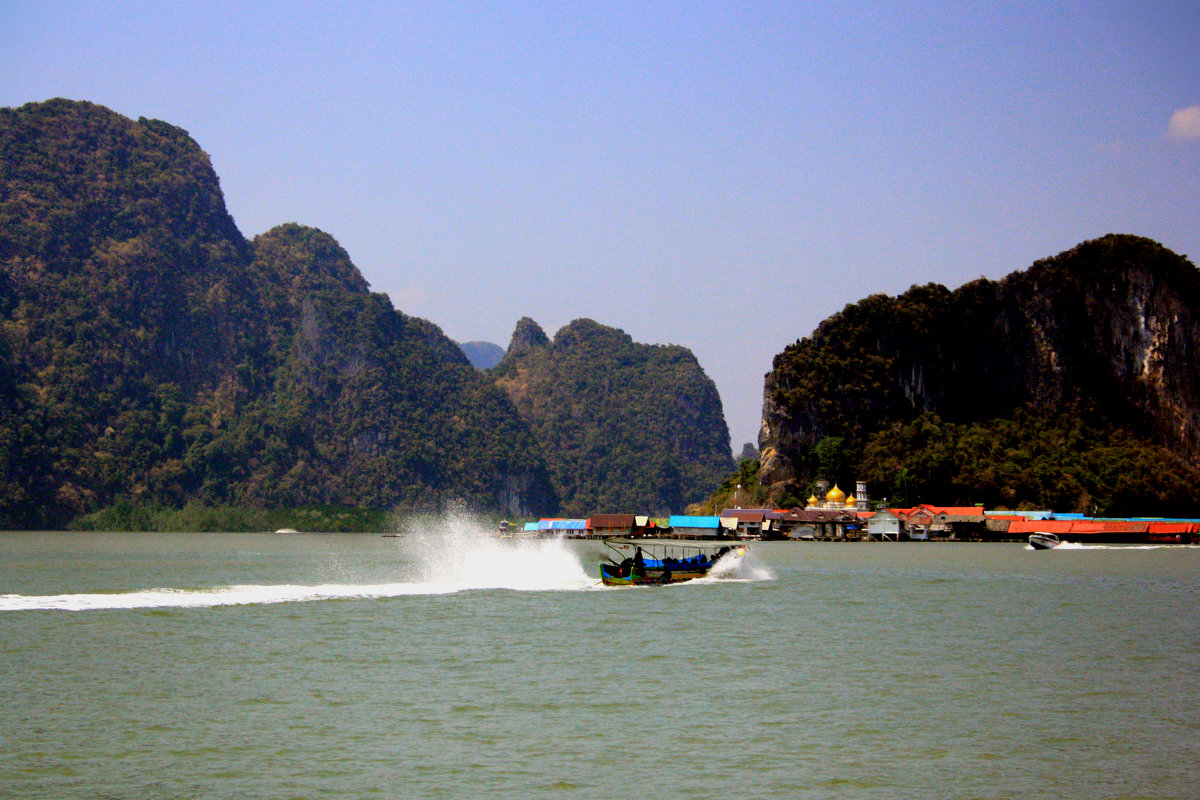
column 694, row 522
column 562, row 525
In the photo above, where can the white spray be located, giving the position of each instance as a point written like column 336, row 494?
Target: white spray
column 457, row 552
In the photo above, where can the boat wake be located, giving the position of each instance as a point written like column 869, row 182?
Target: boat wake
column 202, row 598
column 737, row 568
column 446, row 555
column 452, row 554
column 1077, row 546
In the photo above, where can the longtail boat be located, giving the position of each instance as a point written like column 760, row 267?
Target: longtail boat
column 653, row 562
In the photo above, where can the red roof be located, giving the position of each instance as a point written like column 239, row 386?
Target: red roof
column 1078, row 527
column 1040, row 526
column 954, row 511
column 611, row 521
column 1107, row 526
column 1174, row 527
column 744, row 515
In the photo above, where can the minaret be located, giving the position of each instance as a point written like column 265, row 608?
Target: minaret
column 860, row 496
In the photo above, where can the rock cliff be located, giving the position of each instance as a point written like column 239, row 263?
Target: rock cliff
column 1106, row 332
column 624, row 427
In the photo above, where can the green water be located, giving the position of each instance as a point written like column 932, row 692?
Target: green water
column 347, row 666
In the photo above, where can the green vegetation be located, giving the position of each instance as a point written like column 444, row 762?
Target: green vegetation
column 158, row 370
column 1064, row 462
column 624, row 426
column 1071, row 385
column 740, row 490
column 153, row 359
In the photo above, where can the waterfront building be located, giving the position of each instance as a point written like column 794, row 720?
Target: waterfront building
column 885, row 525
column 947, row 522
column 819, row 523
column 748, row 523
column 685, row 527
column 613, row 524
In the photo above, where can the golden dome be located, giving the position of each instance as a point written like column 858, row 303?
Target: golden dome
column 812, row 500
column 851, row 503
column 835, row 495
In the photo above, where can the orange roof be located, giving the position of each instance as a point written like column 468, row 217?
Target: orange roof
column 1040, row 526
column 1174, row 527
column 611, row 521
column 1081, row 527
column 955, row 511
column 1107, row 526
column 743, row 515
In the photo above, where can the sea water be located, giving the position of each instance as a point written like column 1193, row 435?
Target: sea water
column 448, row 663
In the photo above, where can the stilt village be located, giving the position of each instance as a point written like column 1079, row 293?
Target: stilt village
column 835, row 516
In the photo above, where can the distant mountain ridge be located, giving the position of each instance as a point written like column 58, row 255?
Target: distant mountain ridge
column 623, row 425
column 150, row 354
column 934, row 391
column 482, row 355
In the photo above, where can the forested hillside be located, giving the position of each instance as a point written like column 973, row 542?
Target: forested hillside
column 150, row 354
column 1072, row 385
column 623, row 426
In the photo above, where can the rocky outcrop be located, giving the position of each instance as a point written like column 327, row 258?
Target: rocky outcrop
column 1110, row 325
column 624, row 426
column 527, row 337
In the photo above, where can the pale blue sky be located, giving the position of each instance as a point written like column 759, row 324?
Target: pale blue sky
column 721, row 176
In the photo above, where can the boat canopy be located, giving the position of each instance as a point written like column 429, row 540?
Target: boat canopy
column 655, row 551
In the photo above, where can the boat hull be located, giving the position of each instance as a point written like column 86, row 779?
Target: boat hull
column 1043, row 541
column 613, row 575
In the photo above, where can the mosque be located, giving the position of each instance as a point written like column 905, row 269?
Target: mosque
column 836, row 500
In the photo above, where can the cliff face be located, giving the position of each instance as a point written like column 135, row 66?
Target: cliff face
column 623, row 426
column 148, row 352
column 1108, row 329
column 114, row 232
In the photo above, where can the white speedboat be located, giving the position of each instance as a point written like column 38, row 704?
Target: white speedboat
column 1044, row 541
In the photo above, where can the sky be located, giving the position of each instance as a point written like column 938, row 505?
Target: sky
column 717, row 175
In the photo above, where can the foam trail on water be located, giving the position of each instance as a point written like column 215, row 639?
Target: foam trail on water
column 452, row 554
column 203, row 598
column 1081, row 546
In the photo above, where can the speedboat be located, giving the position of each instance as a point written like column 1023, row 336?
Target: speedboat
column 1044, row 541
column 656, row 562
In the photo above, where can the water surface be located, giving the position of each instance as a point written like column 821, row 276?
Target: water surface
column 446, row 664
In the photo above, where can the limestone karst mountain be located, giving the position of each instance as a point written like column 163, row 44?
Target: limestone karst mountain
column 622, row 425
column 1072, row 384
column 149, row 353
